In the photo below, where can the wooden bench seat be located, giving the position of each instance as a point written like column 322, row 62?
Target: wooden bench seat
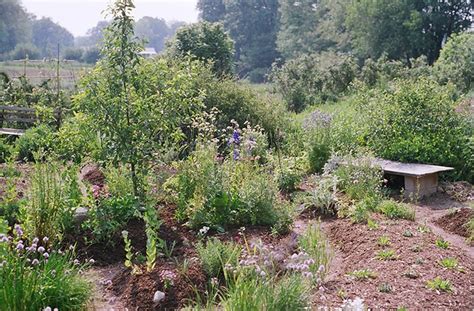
column 20, row 115
column 420, row 180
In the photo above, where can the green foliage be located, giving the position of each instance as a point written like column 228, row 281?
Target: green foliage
column 128, row 249
column 416, row 122
column 323, row 196
column 35, row 139
column 219, row 194
column 25, row 51
column 360, row 179
column 34, row 280
column 5, row 150
column 320, row 152
column 206, row 42
column 312, row 79
column 449, row 263
column 13, row 25
column 251, row 292
column 395, row 210
column 315, row 244
column 48, row 35
column 138, row 108
column 441, row 243
column 152, row 226
column 76, row 140
column 73, row 54
column 10, row 204
column 386, row 254
column 91, row 55
column 53, row 196
column 383, row 241
column 215, row 255
column 456, row 62
column 363, row 274
column 439, row 284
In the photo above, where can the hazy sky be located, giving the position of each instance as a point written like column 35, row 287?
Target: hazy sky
column 80, row 15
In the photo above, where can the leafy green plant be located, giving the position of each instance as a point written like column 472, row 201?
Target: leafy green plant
column 35, row 139
column 449, row 263
column 386, row 254
column 152, row 225
column 214, row 255
column 363, row 274
column 128, row 249
column 34, row 275
column 439, row 284
column 384, row 241
column 441, row 243
column 323, row 196
column 395, row 210
column 385, row 288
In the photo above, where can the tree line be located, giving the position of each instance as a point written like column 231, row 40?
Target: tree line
column 24, row 35
column 266, row 31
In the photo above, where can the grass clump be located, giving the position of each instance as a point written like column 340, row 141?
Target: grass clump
column 215, row 254
column 441, row 243
column 34, row 276
column 383, row 241
column 395, row 210
column 439, row 284
column 449, row 263
column 252, row 292
column 314, row 243
column 388, row 254
column 363, row 274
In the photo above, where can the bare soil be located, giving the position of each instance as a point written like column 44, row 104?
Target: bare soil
column 456, row 221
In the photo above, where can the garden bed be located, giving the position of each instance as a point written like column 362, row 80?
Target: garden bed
column 456, row 221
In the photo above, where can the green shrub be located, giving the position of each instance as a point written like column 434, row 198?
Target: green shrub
column 35, row 139
column 25, row 51
column 323, row 196
column 111, row 208
column 75, row 140
column 5, row 150
column 312, row 79
column 456, row 62
column 232, row 192
column 31, row 279
column 359, row 178
column 53, row 197
column 395, row 210
column 215, row 255
column 415, row 121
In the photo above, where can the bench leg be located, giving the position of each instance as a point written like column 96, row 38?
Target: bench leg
column 422, row 186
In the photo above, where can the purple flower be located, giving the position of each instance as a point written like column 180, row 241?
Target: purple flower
column 35, row 262
column 236, row 137
column 35, row 241
column 3, row 238
column 46, row 255
column 18, row 230
column 20, row 246
column 236, row 154
column 45, row 239
column 41, row 249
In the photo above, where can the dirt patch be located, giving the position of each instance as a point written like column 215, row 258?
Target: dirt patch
column 401, row 281
column 137, row 290
column 93, row 175
column 456, row 221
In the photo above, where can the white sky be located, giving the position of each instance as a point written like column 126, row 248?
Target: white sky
column 80, row 15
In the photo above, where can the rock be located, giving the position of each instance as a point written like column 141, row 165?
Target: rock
column 159, row 296
column 80, row 215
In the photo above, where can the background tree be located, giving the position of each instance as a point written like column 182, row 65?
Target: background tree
column 206, row 42
column 253, row 25
column 14, row 26
column 299, row 24
column 47, row 35
column 94, row 36
column 154, row 30
column 211, row 10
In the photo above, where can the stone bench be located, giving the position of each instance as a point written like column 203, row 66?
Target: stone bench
column 420, row 180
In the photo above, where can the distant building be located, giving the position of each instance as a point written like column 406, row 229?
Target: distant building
column 148, row 53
